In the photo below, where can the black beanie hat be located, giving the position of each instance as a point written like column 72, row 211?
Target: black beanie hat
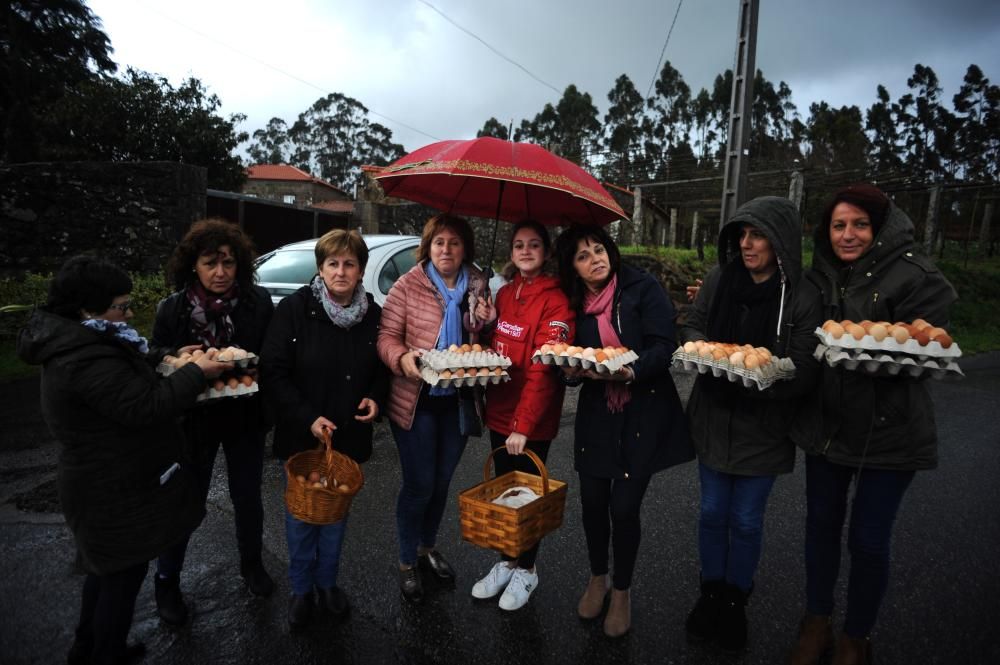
column 869, row 198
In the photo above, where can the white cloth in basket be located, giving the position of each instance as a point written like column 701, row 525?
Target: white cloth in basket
column 516, row 497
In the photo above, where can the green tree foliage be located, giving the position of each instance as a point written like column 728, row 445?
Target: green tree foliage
column 977, row 112
column 494, row 128
column 670, row 108
column 570, row 128
column 919, row 117
column 47, row 47
column 883, row 127
column 271, row 144
column 624, row 132
column 771, row 117
column 835, row 137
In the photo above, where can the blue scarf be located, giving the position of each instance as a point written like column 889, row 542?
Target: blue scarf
column 121, row 331
column 451, row 325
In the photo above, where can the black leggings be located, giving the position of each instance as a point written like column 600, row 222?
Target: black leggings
column 106, row 609
column 504, row 463
column 611, row 513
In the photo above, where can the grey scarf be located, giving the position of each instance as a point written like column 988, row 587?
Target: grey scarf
column 343, row 317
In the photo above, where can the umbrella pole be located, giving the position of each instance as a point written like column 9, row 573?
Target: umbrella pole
column 493, row 244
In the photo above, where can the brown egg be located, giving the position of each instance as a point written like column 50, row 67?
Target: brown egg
column 764, row 353
column 718, row 353
column 944, row 340
column 751, row 362
column 836, row 330
column 878, row 331
column 454, row 348
column 344, row 488
column 934, row 333
column 465, row 348
column 477, row 347
column 706, row 351
column 558, row 348
column 246, row 380
column 855, row 331
column 483, row 371
column 736, row 360
column 546, row 348
column 689, row 347
column 900, row 334
column 497, row 371
column 233, row 382
column 459, row 373
column 218, row 384
column 301, row 479
column 866, row 324
column 828, row 324
column 601, row 356
column 920, row 324
column 922, row 337
column 846, row 322
column 445, row 374
column 314, row 476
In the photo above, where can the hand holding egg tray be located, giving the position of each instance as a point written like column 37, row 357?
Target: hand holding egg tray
column 465, row 365
column 753, row 367
column 889, row 349
column 228, row 385
column 607, row 360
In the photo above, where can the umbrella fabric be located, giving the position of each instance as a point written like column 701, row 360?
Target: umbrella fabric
column 470, row 177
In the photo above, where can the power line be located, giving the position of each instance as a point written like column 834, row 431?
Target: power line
column 278, row 69
column 664, row 49
column 487, row 45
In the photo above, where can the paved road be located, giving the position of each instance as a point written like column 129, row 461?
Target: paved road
column 942, row 607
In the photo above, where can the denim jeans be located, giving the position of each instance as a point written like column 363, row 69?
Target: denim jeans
column 313, row 553
column 877, row 497
column 731, row 525
column 429, row 453
column 244, row 451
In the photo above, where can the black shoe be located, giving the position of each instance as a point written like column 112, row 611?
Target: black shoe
column 256, row 578
column 703, row 621
column 134, row 653
column 79, row 653
column 438, row 565
column 410, row 584
column 732, row 633
column 335, row 602
column 299, row 610
column 169, row 601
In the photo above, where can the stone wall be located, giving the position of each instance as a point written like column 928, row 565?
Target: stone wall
column 132, row 213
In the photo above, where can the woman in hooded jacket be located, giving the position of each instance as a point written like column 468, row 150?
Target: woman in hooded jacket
column 757, row 295
column 523, row 413
column 870, row 431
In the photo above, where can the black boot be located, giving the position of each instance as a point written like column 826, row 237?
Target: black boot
column 335, row 602
column 703, row 621
column 299, row 610
column 732, row 634
column 256, row 578
column 169, row 601
column 411, row 585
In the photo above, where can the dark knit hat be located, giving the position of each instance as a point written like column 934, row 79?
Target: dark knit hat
column 869, row 198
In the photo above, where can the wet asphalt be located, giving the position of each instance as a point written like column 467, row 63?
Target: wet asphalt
column 943, row 604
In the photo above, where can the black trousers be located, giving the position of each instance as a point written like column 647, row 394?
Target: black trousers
column 505, row 463
column 106, row 609
column 611, row 514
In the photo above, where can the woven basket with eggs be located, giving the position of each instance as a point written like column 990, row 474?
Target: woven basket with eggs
column 321, row 484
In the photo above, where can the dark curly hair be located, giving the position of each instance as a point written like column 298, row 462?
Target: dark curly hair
column 206, row 237
column 566, row 245
column 86, row 283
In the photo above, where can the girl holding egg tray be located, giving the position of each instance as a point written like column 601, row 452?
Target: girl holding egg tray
column 629, row 423
column 428, row 308
column 217, row 304
column 322, row 371
column 876, row 432
column 757, row 295
column 531, row 311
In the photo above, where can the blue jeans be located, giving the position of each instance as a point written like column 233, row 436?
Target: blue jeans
column 877, row 497
column 429, row 452
column 731, row 526
column 313, row 553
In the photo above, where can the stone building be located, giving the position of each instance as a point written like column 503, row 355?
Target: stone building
column 291, row 185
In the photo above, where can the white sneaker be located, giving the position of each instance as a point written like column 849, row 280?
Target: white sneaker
column 494, row 582
column 522, row 583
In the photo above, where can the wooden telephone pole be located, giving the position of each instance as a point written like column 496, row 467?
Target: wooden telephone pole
column 734, row 181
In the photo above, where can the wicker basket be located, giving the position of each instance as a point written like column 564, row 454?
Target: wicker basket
column 321, row 505
column 505, row 529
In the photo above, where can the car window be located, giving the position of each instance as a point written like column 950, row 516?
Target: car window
column 400, row 262
column 291, row 267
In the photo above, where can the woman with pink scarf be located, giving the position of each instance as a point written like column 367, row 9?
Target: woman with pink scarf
column 629, row 424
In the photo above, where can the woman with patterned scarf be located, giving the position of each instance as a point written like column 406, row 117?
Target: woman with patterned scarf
column 321, row 371
column 629, row 425
column 217, row 304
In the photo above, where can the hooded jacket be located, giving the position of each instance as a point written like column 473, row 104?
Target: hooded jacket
column 750, row 435
column 651, row 433
column 880, row 422
column 530, row 312
column 116, row 421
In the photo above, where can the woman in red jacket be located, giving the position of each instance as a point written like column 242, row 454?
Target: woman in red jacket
column 524, row 412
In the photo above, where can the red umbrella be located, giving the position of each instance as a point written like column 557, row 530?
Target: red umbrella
column 488, row 177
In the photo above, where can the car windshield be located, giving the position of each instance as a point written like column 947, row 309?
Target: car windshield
column 289, row 267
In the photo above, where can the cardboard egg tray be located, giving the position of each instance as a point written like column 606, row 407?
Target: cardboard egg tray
column 238, row 391
column 438, row 359
column 867, row 343
column 433, row 377
column 878, row 363
column 609, row 366
column 779, row 369
column 166, row 369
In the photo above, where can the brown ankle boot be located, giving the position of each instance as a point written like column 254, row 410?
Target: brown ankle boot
column 619, row 616
column 852, row 651
column 815, row 639
column 592, row 602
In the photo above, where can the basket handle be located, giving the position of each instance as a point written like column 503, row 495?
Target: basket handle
column 539, row 464
column 326, row 436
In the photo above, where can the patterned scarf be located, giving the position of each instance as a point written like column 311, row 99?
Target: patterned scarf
column 599, row 305
column 451, row 324
column 211, row 323
column 121, row 331
column 342, row 317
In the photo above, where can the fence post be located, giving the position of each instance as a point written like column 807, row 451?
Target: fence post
column 694, row 230
column 930, row 227
column 637, row 216
column 795, row 187
column 673, row 227
column 985, row 228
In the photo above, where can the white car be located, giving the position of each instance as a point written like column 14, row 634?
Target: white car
column 287, row 269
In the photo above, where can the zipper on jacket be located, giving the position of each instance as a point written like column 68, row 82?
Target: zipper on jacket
column 874, row 304
column 827, row 446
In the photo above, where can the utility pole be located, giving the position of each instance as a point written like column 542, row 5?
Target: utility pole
column 734, row 181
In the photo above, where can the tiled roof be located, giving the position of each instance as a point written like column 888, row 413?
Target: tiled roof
column 335, row 206
column 285, row 172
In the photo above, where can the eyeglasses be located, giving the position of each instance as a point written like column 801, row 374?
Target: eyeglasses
column 122, row 306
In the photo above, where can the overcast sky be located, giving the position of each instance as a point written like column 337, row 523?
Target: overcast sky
column 406, row 62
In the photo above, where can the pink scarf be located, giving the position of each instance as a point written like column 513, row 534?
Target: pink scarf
column 600, row 306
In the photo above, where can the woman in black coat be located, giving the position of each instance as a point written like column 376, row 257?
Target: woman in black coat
column 217, row 304
column 321, row 370
column 122, row 490
column 630, row 424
